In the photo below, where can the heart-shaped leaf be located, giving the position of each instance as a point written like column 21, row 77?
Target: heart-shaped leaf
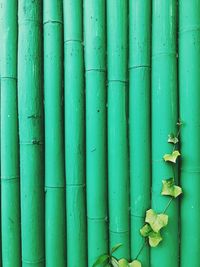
column 154, row 239
column 172, row 157
column 156, row 221
column 123, row 263
column 172, row 139
column 170, row 189
column 101, row 260
column 114, row 262
column 135, row 263
column 116, row 247
column 146, row 230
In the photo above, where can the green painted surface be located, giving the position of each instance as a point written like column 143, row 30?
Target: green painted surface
column 189, row 81
column 117, row 61
column 139, row 121
column 96, row 157
column 75, row 134
column 164, row 119
column 30, row 96
column 97, row 114
column 95, row 34
column 55, row 219
column 96, row 164
column 0, row 159
column 10, row 194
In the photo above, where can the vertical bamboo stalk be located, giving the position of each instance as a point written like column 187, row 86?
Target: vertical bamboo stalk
column 0, row 169
column 31, row 132
column 95, row 65
column 139, row 120
column 189, row 79
column 117, row 27
column 75, row 134
column 0, row 174
column 164, row 119
column 10, row 193
column 54, row 144
column 0, row 160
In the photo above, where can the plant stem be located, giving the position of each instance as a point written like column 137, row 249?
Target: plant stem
column 174, row 174
column 168, row 204
column 179, row 129
column 142, row 247
column 177, row 135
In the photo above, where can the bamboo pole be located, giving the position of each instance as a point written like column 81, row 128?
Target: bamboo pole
column 31, row 132
column 95, row 65
column 164, row 119
column 189, row 78
column 0, row 162
column 75, row 134
column 139, row 120
column 117, row 27
column 0, row 174
column 10, row 194
column 10, row 209
column 54, row 142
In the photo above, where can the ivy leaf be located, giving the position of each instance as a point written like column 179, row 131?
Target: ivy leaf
column 154, row 239
column 172, row 157
column 156, row 221
column 101, row 260
column 146, row 230
column 172, row 139
column 114, row 262
column 116, row 247
column 170, row 189
column 123, row 263
column 135, row 263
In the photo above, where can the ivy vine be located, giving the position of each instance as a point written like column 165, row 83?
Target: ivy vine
column 154, row 222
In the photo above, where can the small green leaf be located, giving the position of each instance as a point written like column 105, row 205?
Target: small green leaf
column 123, row 263
column 154, row 239
column 172, row 157
column 114, row 262
column 135, row 263
column 116, row 247
column 146, row 230
column 172, row 139
column 156, row 221
column 101, row 260
column 170, row 189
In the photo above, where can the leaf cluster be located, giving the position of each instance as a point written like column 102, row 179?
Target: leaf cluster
column 108, row 260
column 154, row 222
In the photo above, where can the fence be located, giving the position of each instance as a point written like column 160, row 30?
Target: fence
column 90, row 92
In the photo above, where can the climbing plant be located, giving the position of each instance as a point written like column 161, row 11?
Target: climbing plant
column 109, row 260
column 154, row 222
